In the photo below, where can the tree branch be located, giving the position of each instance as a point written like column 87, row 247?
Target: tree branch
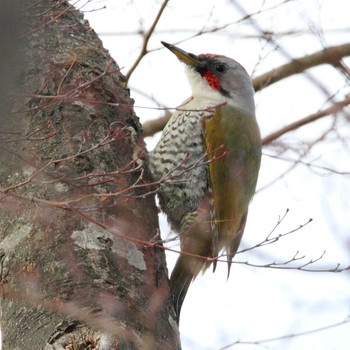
column 336, row 107
column 146, row 38
column 331, row 55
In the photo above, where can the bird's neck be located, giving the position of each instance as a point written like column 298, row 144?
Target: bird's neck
column 201, row 91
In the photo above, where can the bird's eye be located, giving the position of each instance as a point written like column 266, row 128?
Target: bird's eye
column 220, row 68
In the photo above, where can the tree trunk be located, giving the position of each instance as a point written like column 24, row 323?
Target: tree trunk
column 77, row 215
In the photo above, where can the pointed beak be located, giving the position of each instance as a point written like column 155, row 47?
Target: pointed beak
column 186, row 57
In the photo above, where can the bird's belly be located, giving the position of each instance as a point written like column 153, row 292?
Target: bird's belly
column 179, row 163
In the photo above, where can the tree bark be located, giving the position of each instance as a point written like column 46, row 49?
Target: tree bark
column 77, row 218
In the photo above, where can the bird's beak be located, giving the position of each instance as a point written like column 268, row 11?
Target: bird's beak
column 186, row 57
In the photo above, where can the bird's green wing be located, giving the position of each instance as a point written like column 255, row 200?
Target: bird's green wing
column 234, row 150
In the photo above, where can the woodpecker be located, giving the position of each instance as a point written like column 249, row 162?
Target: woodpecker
column 207, row 163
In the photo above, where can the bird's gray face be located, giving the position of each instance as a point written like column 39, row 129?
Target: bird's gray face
column 222, row 74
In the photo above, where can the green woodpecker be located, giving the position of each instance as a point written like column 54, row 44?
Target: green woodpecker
column 207, row 163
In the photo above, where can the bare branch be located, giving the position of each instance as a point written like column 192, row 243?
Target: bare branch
column 308, row 164
column 287, row 336
column 151, row 127
column 146, row 39
column 306, row 120
column 272, row 239
column 330, row 55
column 286, row 265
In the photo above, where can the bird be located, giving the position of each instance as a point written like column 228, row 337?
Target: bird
column 207, row 163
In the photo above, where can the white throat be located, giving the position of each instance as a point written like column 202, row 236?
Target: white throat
column 242, row 98
column 201, row 88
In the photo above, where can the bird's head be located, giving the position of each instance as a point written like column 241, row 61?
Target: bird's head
column 217, row 78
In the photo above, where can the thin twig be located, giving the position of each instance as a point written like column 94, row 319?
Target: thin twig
column 287, row 336
column 146, row 38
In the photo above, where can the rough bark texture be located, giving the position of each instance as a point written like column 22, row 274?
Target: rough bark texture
column 76, row 270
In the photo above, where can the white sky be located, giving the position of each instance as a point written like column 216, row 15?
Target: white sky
column 257, row 303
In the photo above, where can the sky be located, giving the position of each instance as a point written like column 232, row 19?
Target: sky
column 258, row 304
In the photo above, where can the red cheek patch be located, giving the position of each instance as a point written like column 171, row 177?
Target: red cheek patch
column 212, row 80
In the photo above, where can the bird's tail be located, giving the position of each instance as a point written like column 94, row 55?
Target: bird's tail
column 196, row 239
column 185, row 270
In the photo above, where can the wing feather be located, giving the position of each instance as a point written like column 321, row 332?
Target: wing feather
column 233, row 147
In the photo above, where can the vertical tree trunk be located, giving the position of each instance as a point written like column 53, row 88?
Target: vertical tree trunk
column 76, row 217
